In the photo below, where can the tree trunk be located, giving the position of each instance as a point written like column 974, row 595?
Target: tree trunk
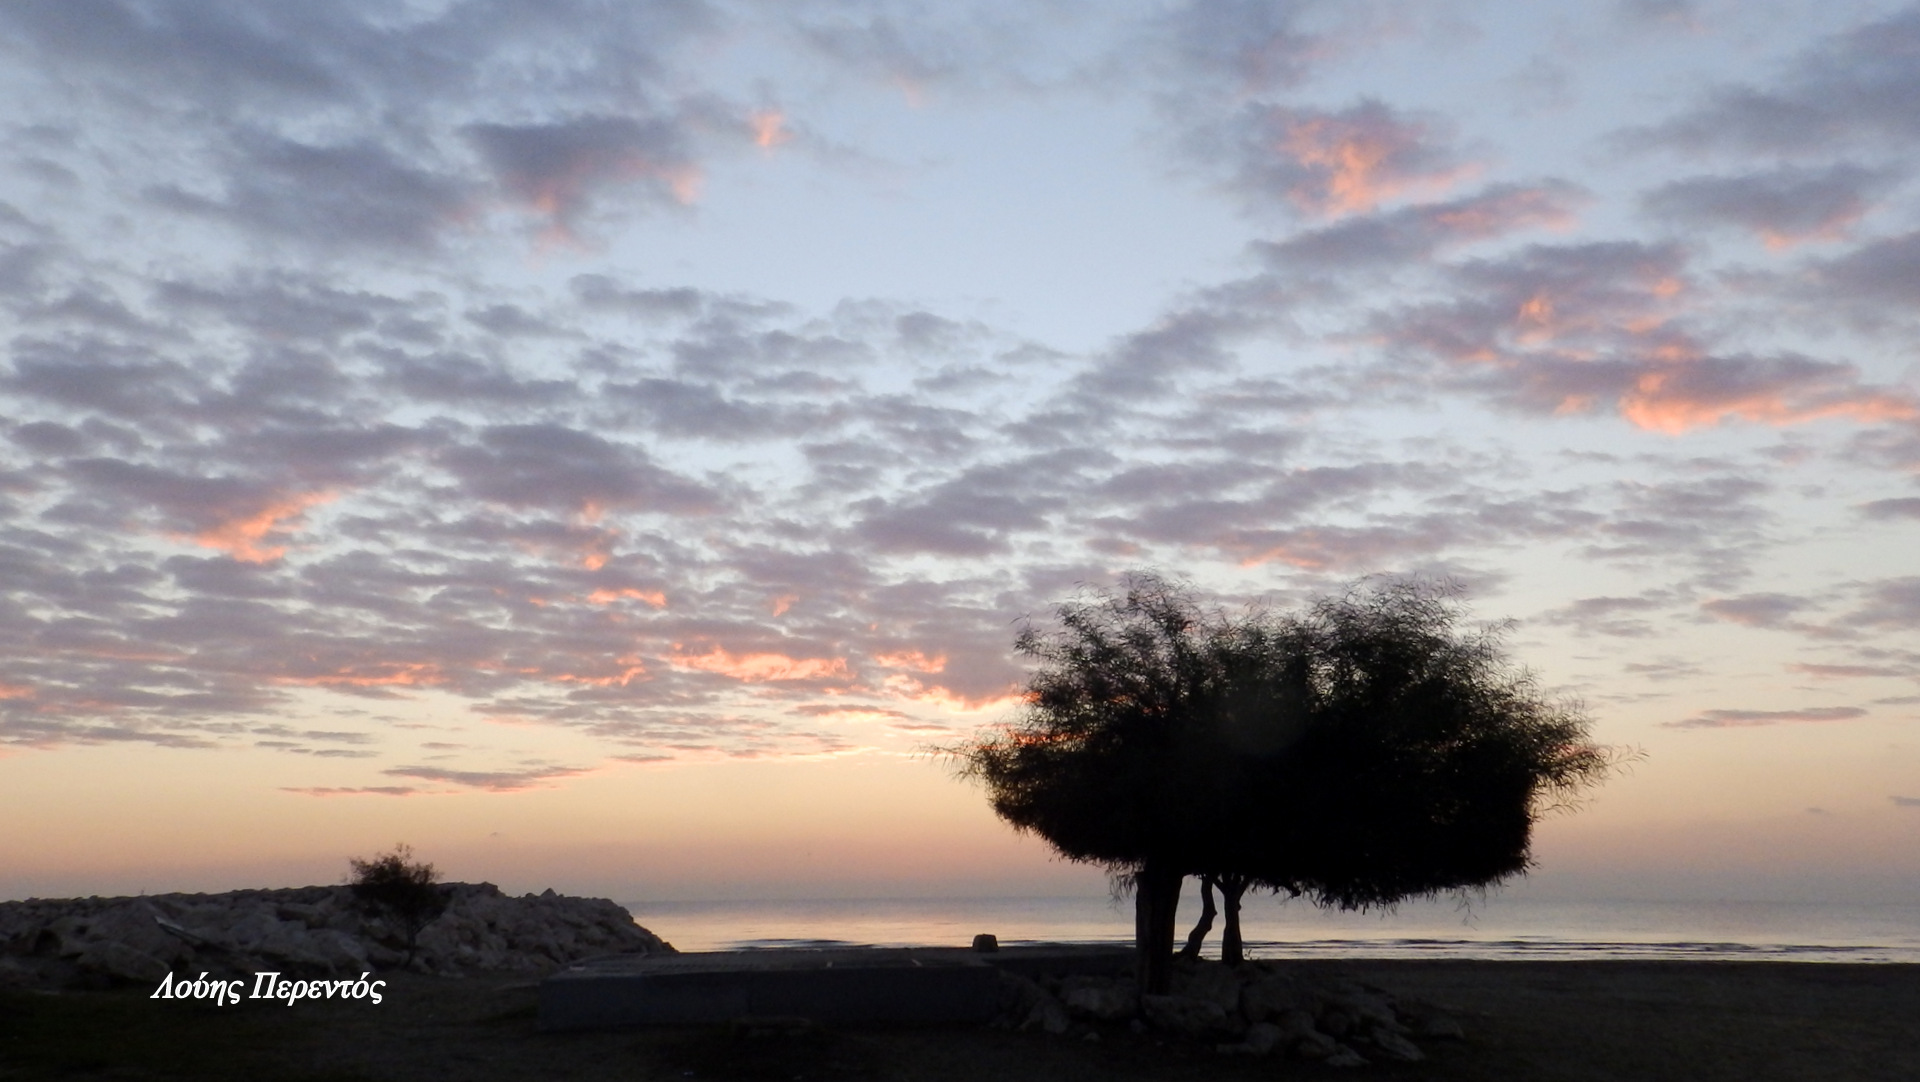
column 1231, row 888
column 1198, row 937
column 1156, row 899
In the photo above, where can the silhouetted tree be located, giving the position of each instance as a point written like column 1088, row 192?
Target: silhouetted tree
column 1358, row 754
column 404, row 889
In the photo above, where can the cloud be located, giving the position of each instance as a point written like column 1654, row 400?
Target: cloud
column 1617, row 616
column 1852, row 88
column 243, row 538
column 1783, row 207
column 1334, row 162
column 243, row 95
column 1905, row 801
column 552, row 466
column 1886, row 510
column 234, row 515
column 1889, row 603
column 306, row 436
column 360, row 193
column 1745, row 719
column 1701, row 392
column 496, row 781
column 970, row 515
column 1412, row 234
column 1660, row 13
column 1255, row 47
column 921, row 50
column 559, row 170
column 1841, row 672
column 1571, row 329
column 762, row 667
column 1886, row 271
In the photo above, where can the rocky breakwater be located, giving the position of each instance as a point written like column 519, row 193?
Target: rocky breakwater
column 1255, row 1009
column 301, row 932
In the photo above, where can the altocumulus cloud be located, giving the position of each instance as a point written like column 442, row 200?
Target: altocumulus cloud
column 379, row 411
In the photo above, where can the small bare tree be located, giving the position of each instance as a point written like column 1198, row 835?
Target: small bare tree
column 401, row 888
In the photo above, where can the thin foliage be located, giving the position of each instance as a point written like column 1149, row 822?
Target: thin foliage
column 402, row 888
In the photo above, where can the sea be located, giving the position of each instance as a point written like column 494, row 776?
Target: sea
column 1493, row 928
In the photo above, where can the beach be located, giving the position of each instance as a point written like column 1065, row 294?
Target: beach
column 1575, row 1021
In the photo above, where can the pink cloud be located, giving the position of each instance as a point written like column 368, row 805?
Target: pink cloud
column 1345, row 162
column 245, row 536
column 761, row 667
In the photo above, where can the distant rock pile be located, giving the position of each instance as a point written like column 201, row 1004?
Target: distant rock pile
column 301, row 932
column 1256, row 1009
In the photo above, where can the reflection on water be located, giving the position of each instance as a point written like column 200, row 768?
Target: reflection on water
column 1497, row 928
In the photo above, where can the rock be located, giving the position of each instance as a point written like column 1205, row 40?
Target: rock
column 1365, row 1006
column 1025, row 1005
column 1199, row 979
column 1104, row 999
column 1047, row 1015
column 119, row 960
column 1315, row 1045
column 986, row 943
column 1294, row 1024
column 1261, row 1039
column 312, row 931
column 1188, row 1017
column 1395, row 1047
column 1345, row 1057
column 1270, row 996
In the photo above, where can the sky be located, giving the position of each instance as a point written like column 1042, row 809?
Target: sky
column 607, row 445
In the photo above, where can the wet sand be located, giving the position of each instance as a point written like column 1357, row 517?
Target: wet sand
column 1573, row 1021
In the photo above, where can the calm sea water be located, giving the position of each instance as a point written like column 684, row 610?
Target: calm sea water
column 1495, row 928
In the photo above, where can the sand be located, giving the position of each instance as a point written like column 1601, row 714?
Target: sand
column 1585, row 1021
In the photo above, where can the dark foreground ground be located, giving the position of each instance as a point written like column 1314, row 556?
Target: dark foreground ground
column 1630, row 1021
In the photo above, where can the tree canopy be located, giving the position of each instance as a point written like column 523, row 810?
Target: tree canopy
column 1358, row 753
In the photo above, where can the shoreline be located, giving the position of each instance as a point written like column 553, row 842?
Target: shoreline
column 1425, row 949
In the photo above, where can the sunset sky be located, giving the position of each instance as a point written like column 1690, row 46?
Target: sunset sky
column 605, row 444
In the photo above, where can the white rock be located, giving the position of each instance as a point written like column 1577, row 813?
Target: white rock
column 1101, row 998
column 1188, row 1016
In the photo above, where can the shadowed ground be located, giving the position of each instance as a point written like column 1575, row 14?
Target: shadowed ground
column 1574, row 1021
